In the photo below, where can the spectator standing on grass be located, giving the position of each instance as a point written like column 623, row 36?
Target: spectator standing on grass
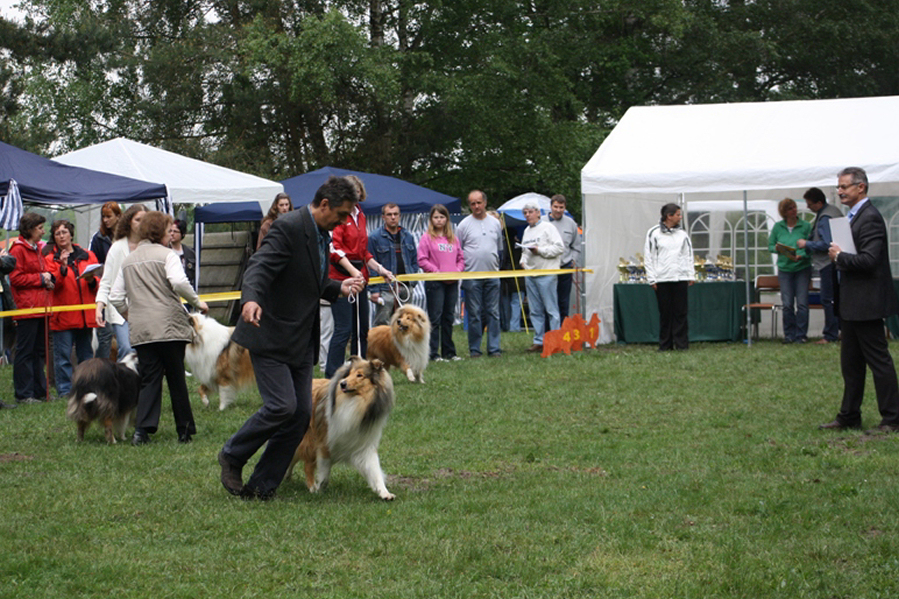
column 7, row 265
column 394, row 247
column 281, row 205
column 350, row 259
column 866, row 296
column 101, row 241
column 127, row 236
column 668, row 258
column 568, row 231
column 481, row 237
column 148, row 291
column 439, row 250
column 817, row 245
column 794, row 270
column 31, row 284
column 67, row 262
column 541, row 249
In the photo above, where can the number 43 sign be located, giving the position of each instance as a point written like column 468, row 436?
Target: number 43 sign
column 572, row 336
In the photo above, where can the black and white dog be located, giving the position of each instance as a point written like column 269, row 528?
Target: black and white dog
column 104, row 391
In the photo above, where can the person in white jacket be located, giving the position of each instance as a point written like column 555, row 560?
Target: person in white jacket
column 541, row 248
column 668, row 258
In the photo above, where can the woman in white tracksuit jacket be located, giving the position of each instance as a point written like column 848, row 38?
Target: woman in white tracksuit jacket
column 668, row 258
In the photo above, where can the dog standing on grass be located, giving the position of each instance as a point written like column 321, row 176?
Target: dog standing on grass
column 216, row 362
column 403, row 343
column 348, row 416
column 106, row 392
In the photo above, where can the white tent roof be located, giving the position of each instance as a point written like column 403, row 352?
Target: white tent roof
column 715, row 153
column 755, row 147
column 189, row 181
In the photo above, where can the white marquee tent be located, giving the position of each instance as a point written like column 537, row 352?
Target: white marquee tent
column 725, row 153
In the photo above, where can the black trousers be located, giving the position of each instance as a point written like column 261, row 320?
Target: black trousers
column 28, row 363
column 673, row 325
column 865, row 345
column 155, row 361
column 282, row 421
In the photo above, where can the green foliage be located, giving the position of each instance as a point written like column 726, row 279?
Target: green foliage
column 505, row 95
column 619, row 472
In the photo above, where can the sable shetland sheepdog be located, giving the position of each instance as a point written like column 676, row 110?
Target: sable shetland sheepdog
column 348, row 415
column 403, row 343
column 104, row 391
column 216, row 362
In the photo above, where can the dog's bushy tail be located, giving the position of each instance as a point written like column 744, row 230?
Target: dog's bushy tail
column 88, row 397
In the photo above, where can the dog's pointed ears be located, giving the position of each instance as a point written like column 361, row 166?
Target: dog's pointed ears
column 377, row 364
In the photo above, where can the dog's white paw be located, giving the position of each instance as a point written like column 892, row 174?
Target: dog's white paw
column 410, row 375
column 205, row 399
column 386, row 495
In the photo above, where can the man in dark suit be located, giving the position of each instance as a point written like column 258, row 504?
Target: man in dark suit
column 279, row 326
column 866, row 297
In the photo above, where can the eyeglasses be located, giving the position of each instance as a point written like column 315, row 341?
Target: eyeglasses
column 845, row 187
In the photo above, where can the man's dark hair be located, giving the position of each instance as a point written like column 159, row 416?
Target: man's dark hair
column 338, row 190
column 815, row 196
column 387, row 206
column 557, row 198
column 29, row 222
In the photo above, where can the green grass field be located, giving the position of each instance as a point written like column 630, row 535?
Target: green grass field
column 617, row 472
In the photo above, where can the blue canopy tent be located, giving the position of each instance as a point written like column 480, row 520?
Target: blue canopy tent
column 28, row 177
column 379, row 189
column 228, row 212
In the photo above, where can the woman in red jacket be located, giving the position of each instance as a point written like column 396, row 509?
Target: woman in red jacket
column 67, row 262
column 349, row 258
column 31, row 283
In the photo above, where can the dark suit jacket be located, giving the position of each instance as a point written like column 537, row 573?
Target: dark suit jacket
column 866, row 283
column 285, row 277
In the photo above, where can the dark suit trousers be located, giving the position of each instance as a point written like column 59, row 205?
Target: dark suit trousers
column 281, row 421
column 673, row 311
column 864, row 344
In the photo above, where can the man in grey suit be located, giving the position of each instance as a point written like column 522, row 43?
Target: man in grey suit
column 865, row 297
column 279, row 326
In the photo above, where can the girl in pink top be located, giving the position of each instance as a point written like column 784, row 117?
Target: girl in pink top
column 440, row 251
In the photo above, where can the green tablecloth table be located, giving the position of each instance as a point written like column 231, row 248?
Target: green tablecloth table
column 715, row 312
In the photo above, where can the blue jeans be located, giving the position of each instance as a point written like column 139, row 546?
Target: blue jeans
column 515, row 316
column 441, row 311
column 482, row 295
column 346, row 327
column 62, row 351
column 831, row 320
column 542, row 297
column 794, row 290
column 122, row 339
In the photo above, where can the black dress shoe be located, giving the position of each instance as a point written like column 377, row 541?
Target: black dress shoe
column 836, row 425
column 249, row 494
column 140, row 438
column 184, row 438
column 884, row 428
column 232, row 479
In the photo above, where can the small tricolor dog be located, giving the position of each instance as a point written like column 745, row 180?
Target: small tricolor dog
column 106, row 392
column 348, row 416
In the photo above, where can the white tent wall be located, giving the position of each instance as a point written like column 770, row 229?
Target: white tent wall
column 716, row 152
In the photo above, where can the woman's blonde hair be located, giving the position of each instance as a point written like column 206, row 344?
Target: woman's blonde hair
column 784, row 205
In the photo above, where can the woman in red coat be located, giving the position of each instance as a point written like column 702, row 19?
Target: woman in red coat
column 350, row 258
column 31, row 283
column 67, row 262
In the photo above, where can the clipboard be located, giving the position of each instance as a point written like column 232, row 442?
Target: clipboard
column 841, row 234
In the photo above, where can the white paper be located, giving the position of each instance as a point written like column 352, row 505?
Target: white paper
column 842, row 234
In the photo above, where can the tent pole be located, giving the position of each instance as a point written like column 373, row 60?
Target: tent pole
column 746, row 249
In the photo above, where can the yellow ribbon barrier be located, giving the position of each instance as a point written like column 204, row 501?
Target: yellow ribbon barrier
column 226, row 296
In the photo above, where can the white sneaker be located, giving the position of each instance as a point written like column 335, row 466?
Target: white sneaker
column 456, row 359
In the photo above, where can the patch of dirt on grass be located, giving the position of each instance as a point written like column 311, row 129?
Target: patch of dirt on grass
column 14, row 457
column 857, row 445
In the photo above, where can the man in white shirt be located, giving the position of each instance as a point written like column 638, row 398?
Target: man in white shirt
column 541, row 250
